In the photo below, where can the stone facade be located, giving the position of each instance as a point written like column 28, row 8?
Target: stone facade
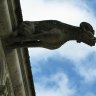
column 15, row 70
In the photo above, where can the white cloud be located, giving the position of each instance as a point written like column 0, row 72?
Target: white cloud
column 75, row 51
column 88, row 73
column 90, row 94
column 68, row 13
column 63, row 86
column 71, row 50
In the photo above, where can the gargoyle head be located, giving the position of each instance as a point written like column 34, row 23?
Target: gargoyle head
column 87, row 33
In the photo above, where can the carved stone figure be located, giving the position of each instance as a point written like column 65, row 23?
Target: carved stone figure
column 50, row 34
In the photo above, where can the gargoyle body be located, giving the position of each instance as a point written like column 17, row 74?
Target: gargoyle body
column 50, row 34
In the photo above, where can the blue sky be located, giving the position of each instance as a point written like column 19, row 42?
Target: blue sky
column 71, row 69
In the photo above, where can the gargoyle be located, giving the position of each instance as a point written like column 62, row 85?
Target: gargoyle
column 50, row 34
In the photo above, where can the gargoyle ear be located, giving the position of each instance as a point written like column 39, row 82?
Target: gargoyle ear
column 86, row 27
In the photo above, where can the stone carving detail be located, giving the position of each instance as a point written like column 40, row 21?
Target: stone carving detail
column 50, row 34
column 2, row 77
column 2, row 90
column 5, row 90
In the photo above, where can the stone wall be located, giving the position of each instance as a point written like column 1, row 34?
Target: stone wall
column 14, row 79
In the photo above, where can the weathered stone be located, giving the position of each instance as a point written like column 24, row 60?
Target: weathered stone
column 12, row 81
column 50, row 34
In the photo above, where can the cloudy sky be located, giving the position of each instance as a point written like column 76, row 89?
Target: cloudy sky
column 71, row 69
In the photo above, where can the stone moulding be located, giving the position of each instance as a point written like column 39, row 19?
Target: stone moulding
column 10, row 18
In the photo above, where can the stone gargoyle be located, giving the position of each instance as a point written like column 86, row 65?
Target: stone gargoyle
column 50, row 34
